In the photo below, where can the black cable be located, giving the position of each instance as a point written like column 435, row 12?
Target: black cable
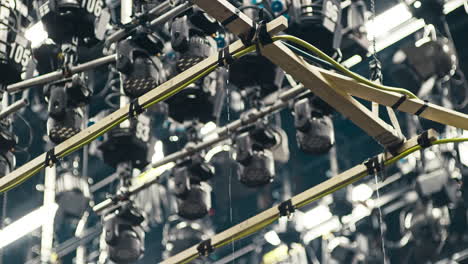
column 310, row 57
column 108, row 99
column 31, row 136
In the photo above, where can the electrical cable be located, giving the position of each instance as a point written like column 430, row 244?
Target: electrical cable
column 351, row 74
column 31, row 135
column 310, row 57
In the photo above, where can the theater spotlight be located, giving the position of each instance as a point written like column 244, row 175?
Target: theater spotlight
column 191, row 40
column 64, row 19
column 65, row 99
column 428, row 227
column 140, row 69
column 179, row 235
column 190, row 187
column 253, row 70
column 189, row 37
column 15, row 50
column 318, row 22
column 130, row 141
column 72, row 197
column 256, row 161
column 124, row 234
column 314, row 129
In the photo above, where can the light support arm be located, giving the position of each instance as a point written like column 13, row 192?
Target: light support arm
column 269, row 216
column 13, row 108
column 163, row 18
column 59, row 74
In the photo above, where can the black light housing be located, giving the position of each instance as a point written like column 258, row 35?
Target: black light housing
column 314, row 129
column 128, row 142
column 256, row 161
column 191, row 42
column 124, row 235
column 64, row 100
column 140, row 69
column 189, row 186
column 317, row 22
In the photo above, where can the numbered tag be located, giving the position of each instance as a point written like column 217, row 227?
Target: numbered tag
column 143, row 128
column 20, row 52
column 93, row 6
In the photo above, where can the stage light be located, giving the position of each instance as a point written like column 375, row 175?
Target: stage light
column 429, row 231
column 189, row 37
column 256, row 71
column 72, row 195
column 124, row 235
column 272, row 238
column 179, row 235
column 140, row 71
column 314, row 129
column 27, row 224
column 65, row 19
column 256, row 162
column 127, row 142
column 431, row 58
column 36, row 34
column 318, row 22
column 361, row 193
column 15, row 51
column 189, row 186
column 64, row 100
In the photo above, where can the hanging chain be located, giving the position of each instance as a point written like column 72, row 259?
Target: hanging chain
column 374, row 64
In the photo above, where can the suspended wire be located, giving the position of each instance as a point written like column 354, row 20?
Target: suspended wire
column 374, row 41
column 376, row 74
column 228, row 105
column 30, row 130
column 381, row 228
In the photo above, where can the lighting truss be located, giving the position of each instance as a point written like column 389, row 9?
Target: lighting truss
column 337, row 90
